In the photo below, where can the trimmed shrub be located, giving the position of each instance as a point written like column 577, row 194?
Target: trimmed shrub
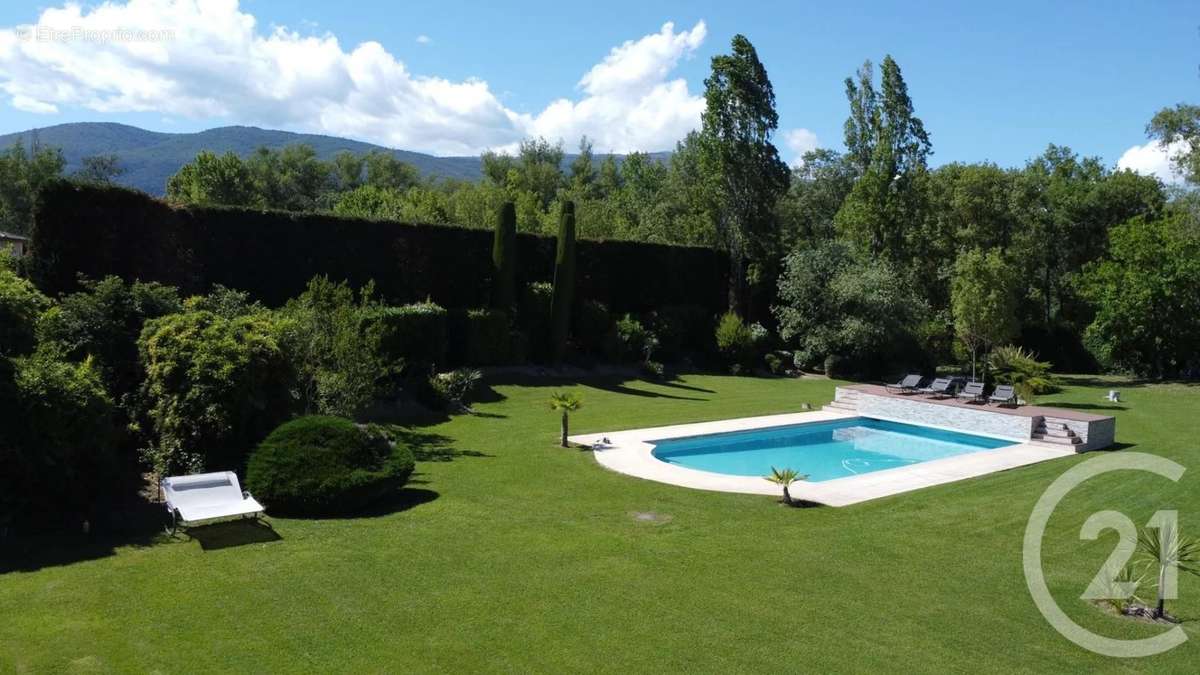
column 564, row 283
column 504, row 259
column 324, row 466
column 735, row 341
column 480, row 337
column 413, row 334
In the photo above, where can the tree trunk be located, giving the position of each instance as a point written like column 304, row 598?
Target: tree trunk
column 1162, row 599
column 564, row 430
column 735, row 283
column 787, row 496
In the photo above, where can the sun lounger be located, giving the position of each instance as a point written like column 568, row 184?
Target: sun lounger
column 908, row 385
column 1004, row 394
column 206, row 497
column 973, row 391
column 940, row 388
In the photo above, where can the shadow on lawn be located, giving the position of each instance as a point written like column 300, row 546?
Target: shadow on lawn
column 233, row 533
column 429, row 447
column 138, row 524
column 1083, row 406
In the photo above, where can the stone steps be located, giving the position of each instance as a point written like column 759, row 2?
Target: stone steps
column 840, row 406
column 1051, row 431
column 847, row 402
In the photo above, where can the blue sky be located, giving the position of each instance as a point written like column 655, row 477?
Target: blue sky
column 992, row 81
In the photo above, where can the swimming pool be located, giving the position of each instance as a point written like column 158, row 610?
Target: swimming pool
column 822, row 450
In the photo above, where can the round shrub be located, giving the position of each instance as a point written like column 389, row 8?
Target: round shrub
column 319, row 466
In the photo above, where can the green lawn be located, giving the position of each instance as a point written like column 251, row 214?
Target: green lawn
column 516, row 555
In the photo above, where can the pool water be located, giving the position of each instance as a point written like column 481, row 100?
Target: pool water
column 822, row 450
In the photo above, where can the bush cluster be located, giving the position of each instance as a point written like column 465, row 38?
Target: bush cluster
column 325, row 466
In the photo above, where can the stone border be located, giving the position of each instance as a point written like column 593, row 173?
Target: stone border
column 630, row 452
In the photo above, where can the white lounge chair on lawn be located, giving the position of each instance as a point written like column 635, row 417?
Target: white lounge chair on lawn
column 206, row 497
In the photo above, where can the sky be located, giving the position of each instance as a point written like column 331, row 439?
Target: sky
column 992, row 81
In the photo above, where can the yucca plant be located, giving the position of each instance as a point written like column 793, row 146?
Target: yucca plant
column 785, row 477
column 1020, row 368
column 1164, row 550
column 1118, row 596
column 566, row 403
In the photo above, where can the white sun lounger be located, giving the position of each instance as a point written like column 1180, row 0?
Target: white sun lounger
column 206, row 497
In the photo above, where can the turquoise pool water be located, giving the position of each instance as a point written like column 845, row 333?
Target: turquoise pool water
column 822, row 450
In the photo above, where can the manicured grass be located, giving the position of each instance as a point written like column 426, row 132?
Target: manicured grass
column 516, row 555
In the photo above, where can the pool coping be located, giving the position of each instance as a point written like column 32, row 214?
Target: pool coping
column 630, row 452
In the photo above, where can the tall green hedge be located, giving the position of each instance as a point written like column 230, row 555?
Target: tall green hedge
column 98, row 230
column 564, row 283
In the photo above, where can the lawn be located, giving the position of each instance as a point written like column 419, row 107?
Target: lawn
column 511, row 554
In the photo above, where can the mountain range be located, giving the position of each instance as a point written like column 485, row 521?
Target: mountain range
column 149, row 158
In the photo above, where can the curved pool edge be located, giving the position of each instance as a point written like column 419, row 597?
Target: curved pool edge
column 631, row 452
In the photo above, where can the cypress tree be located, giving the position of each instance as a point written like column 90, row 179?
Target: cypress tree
column 504, row 258
column 564, row 282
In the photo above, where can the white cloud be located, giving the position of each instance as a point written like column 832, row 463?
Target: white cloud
column 214, row 62
column 800, row 141
column 1152, row 159
column 424, row 40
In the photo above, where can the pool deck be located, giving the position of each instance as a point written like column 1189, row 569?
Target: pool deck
column 629, row 452
column 1020, row 411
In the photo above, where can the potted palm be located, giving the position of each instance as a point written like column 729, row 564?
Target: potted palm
column 566, row 403
column 785, row 477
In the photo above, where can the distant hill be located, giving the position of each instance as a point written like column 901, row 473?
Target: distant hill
column 149, row 158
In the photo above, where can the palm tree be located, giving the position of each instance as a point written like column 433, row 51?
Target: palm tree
column 1164, row 549
column 785, row 477
column 566, row 403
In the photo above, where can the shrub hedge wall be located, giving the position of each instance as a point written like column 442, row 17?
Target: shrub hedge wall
column 101, row 230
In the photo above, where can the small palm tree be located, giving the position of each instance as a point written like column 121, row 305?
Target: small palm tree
column 785, row 477
column 566, row 403
column 1164, row 548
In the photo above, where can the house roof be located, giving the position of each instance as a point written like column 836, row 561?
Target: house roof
column 9, row 235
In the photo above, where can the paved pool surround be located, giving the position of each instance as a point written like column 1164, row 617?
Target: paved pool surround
column 1019, row 423
column 631, row 451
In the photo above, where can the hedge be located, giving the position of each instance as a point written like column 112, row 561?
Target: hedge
column 415, row 334
column 102, row 230
column 480, row 337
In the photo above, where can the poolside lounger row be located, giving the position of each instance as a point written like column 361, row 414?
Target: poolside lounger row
column 956, row 387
